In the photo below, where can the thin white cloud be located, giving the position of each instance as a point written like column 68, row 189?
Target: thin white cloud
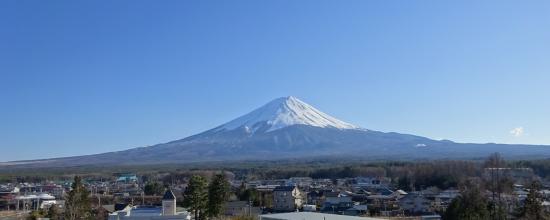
column 517, row 132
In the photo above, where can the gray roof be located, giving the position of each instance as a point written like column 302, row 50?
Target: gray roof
column 168, row 195
column 284, row 188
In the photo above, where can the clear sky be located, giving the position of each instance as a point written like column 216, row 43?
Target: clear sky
column 82, row 77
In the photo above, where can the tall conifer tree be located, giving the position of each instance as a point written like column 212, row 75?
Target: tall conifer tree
column 77, row 203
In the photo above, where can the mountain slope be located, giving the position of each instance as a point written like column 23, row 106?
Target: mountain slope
column 290, row 128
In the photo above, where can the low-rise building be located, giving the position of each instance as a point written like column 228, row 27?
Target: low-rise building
column 357, row 210
column 167, row 211
column 287, row 198
column 241, row 208
column 336, row 202
column 371, row 182
column 311, row 216
column 147, row 213
column 415, row 203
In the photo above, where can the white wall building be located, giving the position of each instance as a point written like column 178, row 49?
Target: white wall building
column 165, row 212
column 168, row 203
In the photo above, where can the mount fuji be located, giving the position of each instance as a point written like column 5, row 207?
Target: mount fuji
column 284, row 112
column 288, row 128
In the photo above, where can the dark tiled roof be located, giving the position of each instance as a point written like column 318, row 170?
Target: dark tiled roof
column 168, row 195
column 120, row 206
column 284, row 188
column 332, row 194
column 315, row 194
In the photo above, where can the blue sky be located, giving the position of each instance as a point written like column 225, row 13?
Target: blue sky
column 82, row 77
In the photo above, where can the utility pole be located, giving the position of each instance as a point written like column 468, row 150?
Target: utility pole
column 249, row 207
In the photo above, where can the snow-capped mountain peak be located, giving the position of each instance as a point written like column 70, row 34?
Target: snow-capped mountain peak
column 284, row 112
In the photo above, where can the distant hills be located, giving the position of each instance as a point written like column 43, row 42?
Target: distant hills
column 288, row 128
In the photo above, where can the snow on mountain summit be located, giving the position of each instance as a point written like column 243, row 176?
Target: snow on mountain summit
column 284, row 112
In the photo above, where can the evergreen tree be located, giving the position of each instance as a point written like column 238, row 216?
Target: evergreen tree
column 248, row 195
column 153, row 188
column 266, row 199
column 470, row 205
column 532, row 208
column 218, row 192
column 196, row 196
column 240, row 191
column 77, row 203
column 251, row 195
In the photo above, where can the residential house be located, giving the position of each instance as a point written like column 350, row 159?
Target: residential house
column 371, row 182
column 357, row 210
column 387, row 205
column 415, row 203
column 336, row 202
column 300, row 182
column 444, row 198
column 316, row 197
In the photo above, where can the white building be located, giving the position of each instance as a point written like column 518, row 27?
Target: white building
column 371, row 182
column 32, row 201
column 287, row 198
column 165, row 212
column 168, row 203
column 147, row 213
column 311, row 216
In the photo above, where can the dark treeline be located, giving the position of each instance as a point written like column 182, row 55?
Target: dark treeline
column 540, row 167
column 408, row 174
